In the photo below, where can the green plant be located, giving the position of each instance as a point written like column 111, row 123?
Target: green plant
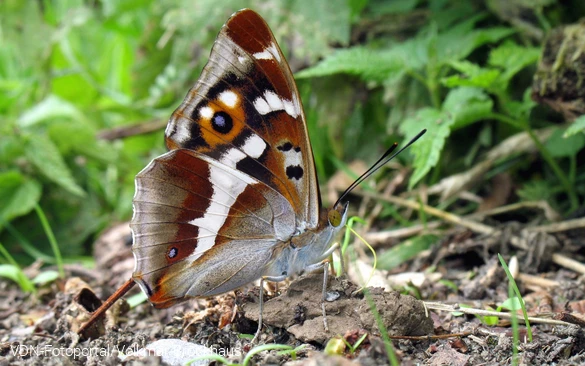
column 292, row 351
column 353, row 347
column 13, row 271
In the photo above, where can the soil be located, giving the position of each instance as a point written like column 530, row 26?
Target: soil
column 40, row 329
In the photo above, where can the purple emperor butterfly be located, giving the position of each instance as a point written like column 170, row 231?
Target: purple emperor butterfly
column 236, row 198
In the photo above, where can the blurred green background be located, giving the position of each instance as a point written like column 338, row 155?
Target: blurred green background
column 370, row 72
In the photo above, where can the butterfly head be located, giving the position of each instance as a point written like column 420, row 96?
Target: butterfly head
column 337, row 216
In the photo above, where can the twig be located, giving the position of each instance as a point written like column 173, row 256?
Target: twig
column 132, row 130
column 384, row 236
column 532, row 319
column 549, row 212
column 425, row 337
column 559, row 226
column 537, row 281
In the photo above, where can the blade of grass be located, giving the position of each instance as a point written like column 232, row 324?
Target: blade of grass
column 262, row 348
column 213, row 357
column 518, row 295
column 52, row 240
column 27, row 246
column 292, row 352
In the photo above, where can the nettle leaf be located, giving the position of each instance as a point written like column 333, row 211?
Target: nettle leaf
column 560, row 146
column 536, row 190
column 428, row 150
column 45, row 156
column 18, row 195
column 454, row 46
column 576, row 127
column 521, row 110
column 512, row 58
column 473, row 75
column 467, row 105
column 370, row 65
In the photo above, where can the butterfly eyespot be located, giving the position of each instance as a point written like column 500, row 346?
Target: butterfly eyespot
column 222, row 122
column 294, row 172
column 173, row 252
column 334, row 217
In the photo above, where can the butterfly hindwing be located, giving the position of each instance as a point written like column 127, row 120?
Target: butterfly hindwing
column 245, row 107
column 201, row 227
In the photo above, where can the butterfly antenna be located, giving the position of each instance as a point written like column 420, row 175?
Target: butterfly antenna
column 377, row 165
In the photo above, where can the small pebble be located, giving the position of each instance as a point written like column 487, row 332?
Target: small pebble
column 174, row 352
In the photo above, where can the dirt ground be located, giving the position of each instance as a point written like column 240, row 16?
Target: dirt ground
column 39, row 329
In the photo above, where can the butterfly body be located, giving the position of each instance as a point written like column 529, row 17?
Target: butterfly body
column 236, row 198
column 305, row 249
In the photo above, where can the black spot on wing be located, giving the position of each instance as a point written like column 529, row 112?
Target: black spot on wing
column 294, row 172
column 285, row 147
column 255, row 169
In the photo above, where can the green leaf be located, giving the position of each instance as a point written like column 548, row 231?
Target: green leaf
column 577, row 126
column 473, row 75
column 45, row 156
column 536, row 190
column 370, row 65
column 322, row 22
column 11, row 148
column 137, row 299
column 51, row 107
column 512, row 58
column 467, row 105
column 393, row 7
column 45, row 277
column 521, row 109
column 18, row 195
column 405, row 251
column 14, row 273
column 489, row 320
column 512, row 304
column 455, row 45
column 80, row 138
column 560, row 146
column 427, row 151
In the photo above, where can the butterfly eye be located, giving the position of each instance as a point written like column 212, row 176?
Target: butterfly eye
column 334, row 217
column 222, row 122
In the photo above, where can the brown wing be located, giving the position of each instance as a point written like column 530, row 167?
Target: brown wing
column 202, row 228
column 246, row 99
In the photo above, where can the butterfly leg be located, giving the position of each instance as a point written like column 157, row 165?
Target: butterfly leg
column 325, row 265
column 341, row 262
column 261, row 301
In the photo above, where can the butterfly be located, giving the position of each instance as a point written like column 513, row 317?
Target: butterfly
column 236, row 198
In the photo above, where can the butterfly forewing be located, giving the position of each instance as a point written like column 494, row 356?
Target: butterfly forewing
column 246, row 109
